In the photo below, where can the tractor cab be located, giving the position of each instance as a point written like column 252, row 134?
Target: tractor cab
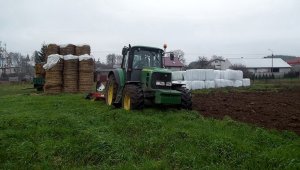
column 142, row 79
column 137, row 58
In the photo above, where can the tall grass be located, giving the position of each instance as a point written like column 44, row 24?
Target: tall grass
column 66, row 131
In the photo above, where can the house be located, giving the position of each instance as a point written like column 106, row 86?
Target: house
column 7, row 64
column 295, row 63
column 174, row 65
column 218, row 63
column 261, row 66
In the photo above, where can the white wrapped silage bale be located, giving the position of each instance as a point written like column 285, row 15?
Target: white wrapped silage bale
column 238, row 83
column 188, row 85
column 222, row 74
column 217, row 74
column 188, row 75
column 228, row 74
column 233, row 74
column 198, row 85
column 209, row 74
column 246, row 82
column 219, row 83
column 177, row 75
column 194, row 75
column 239, row 75
column 228, row 83
column 209, row 84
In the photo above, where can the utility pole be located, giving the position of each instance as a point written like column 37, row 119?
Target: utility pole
column 272, row 60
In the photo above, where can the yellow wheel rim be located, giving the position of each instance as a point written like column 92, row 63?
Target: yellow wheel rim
column 126, row 102
column 110, row 94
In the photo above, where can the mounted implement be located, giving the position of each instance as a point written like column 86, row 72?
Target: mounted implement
column 142, row 79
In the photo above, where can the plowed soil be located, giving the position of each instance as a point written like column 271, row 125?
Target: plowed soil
column 274, row 110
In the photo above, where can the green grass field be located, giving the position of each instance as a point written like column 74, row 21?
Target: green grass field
column 66, row 131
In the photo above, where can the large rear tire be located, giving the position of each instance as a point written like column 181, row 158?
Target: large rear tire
column 186, row 98
column 133, row 97
column 111, row 91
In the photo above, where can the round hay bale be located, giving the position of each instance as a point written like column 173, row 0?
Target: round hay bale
column 52, row 89
column 67, row 49
column 82, row 49
column 70, row 75
column 86, row 81
column 53, row 79
column 70, row 65
column 86, row 65
column 86, row 75
column 52, row 49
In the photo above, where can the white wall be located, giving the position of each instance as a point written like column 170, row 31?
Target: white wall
column 174, row 68
column 284, row 70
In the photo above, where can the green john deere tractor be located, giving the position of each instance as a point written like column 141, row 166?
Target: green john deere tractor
column 142, row 79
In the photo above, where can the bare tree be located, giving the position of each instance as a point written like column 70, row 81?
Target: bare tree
column 201, row 63
column 180, row 55
column 113, row 59
column 215, row 57
column 243, row 68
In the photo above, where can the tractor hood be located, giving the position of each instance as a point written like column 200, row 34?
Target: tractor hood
column 156, row 69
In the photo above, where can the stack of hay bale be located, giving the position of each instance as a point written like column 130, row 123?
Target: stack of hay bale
column 70, row 73
column 54, row 68
column 67, row 49
column 51, row 49
column 73, row 70
column 82, row 49
column 86, row 73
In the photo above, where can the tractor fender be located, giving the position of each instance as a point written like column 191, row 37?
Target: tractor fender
column 116, row 75
column 119, row 76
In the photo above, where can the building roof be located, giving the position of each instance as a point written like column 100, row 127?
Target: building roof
column 216, row 59
column 175, row 63
column 259, row 62
column 295, row 61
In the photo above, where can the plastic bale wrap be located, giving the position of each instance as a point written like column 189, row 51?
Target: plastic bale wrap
column 70, row 74
column 188, row 85
column 209, row 84
column 237, row 83
column 195, row 75
column 86, row 73
column 209, row 74
column 177, row 75
column 228, row 83
column 217, row 74
column 246, row 82
column 54, row 76
column 82, row 50
column 222, row 74
column 196, row 85
column 233, row 74
column 68, row 49
column 219, row 83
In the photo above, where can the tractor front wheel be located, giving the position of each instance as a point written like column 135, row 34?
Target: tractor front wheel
column 111, row 91
column 186, row 98
column 133, row 97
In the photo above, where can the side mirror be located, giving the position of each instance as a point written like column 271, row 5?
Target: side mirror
column 172, row 56
column 124, row 51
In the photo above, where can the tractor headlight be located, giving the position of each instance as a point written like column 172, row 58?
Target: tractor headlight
column 160, row 83
column 168, row 83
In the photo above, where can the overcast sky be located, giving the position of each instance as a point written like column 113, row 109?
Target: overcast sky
column 230, row 28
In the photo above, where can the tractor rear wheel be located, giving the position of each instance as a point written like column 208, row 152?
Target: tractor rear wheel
column 133, row 97
column 111, row 91
column 186, row 98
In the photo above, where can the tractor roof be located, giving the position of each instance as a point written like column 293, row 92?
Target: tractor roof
column 140, row 46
